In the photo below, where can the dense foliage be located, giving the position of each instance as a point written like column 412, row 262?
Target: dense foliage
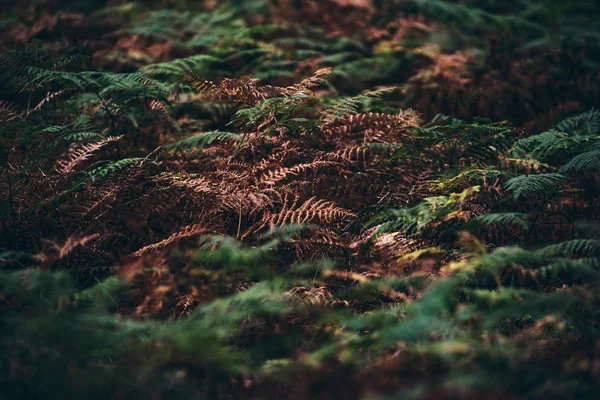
column 299, row 199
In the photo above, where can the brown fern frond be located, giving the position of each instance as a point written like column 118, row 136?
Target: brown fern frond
column 107, row 197
column 161, row 108
column 8, row 112
column 280, row 174
column 249, row 200
column 388, row 128
column 317, row 79
column 52, row 252
column 311, row 210
column 72, row 243
column 83, row 153
column 273, row 160
column 51, row 96
column 394, row 245
column 242, row 91
column 204, row 87
column 186, row 232
column 359, row 153
column 197, row 185
column 451, row 69
column 319, row 243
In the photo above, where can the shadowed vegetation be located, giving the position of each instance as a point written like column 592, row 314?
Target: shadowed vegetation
column 299, row 199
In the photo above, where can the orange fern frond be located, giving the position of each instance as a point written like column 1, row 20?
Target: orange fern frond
column 51, row 96
column 388, row 128
column 317, row 79
column 280, row 174
column 83, row 153
column 161, row 108
column 312, row 210
column 8, row 112
column 187, row 232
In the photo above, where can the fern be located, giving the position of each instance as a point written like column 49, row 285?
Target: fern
column 113, row 167
column 576, row 247
column 502, row 219
column 82, row 154
column 352, row 105
column 203, row 139
column 430, row 213
column 199, row 64
column 186, row 232
column 588, row 161
column 286, row 167
column 532, row 184
column 586, row 124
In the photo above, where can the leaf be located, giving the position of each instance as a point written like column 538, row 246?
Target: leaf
column 530, row 184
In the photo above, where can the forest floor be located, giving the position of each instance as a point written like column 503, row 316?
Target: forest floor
column 299, row 199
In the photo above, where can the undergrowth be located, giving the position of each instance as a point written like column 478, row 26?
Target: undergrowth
column 260, row 200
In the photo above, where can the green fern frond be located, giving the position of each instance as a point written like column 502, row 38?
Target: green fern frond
column 203, row 139
column 568, row 271
column 531, row 184
column 505, row 218
column 576, row 247
column 415, row 220
column 586, row 124
column 545, row 144
column 117, row 166
column 352, row 105
column 588, row 161
column 199, row 64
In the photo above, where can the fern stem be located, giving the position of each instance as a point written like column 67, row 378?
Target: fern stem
column 239, row 229
column 11, row 206
column 573, row 217
column 537, row 216
column 113, row 122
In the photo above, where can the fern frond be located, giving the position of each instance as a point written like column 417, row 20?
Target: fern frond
column 312, row 210
column 531, row 184
column 562, row 270
column 280, row 174
column 83, row 153
column 573, row 248
column 432, row 212
column 198, row 64
column 505, row 218
column 315, row 80
column 72, row 243
column 161, row 108
column 203, row 139
column 588, row 161
column 587, row 124
column 105, row 170
column 51, row 96
column 545, row 144
column 527, row 166
column 184, row 233
column 351, row 105
column 8, row 112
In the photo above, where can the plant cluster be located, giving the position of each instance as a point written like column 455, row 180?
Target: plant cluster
column 213, row 200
